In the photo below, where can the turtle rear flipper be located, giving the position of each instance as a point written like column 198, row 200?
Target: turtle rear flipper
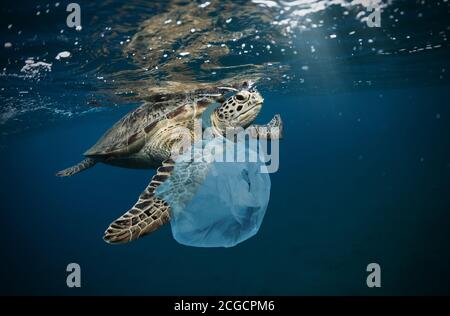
column 146, row 216
column 83, row 165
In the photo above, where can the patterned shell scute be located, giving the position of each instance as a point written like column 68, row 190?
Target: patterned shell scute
column 133, row 127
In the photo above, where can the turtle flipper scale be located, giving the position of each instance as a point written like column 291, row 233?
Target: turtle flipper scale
column 272, row 130
column 83, row 165
column 147, row 215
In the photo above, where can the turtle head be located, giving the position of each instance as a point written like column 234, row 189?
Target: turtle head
column 239, row 110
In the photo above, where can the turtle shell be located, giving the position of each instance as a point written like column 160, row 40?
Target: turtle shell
column 128, row 134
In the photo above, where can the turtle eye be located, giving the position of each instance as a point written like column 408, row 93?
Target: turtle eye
column 240, row 97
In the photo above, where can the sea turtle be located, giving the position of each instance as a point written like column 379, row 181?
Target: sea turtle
column 145, row 137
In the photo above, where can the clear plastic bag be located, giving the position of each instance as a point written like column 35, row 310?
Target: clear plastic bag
column 216, row 204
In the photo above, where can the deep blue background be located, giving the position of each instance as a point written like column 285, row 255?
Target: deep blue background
column 348, row 193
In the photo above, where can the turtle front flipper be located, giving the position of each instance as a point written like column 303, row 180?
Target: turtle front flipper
column 272, row 130
column 146, row 216
column 83, row 165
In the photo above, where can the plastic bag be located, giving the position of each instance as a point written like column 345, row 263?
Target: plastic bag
column 216, row 204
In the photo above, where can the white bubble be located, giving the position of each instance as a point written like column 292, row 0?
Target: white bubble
column 204, row 5
column 64, row 54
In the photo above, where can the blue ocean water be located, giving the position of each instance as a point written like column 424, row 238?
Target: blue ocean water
column 364, row 165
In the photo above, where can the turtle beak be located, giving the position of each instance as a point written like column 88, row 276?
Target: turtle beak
column 258, row 99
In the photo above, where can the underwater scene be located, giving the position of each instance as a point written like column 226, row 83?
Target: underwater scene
column 344, row 106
